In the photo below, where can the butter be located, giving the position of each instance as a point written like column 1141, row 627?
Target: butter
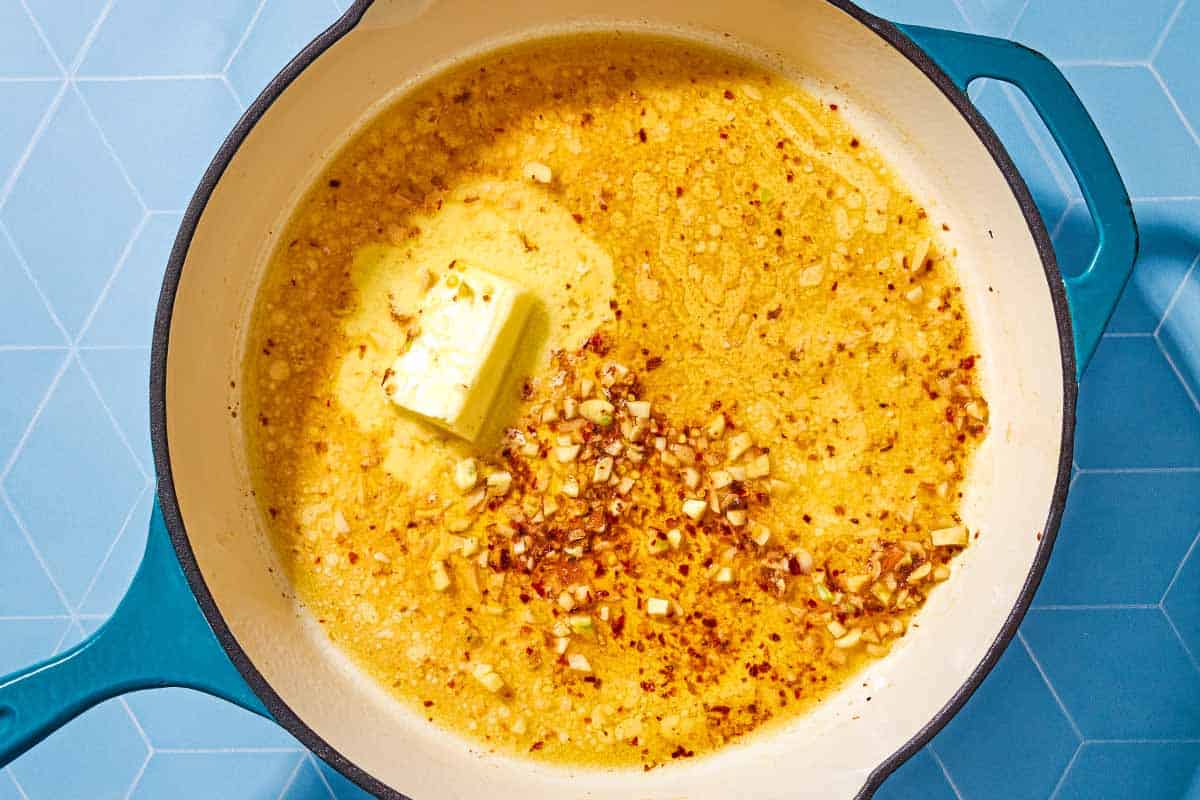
column 468, row 328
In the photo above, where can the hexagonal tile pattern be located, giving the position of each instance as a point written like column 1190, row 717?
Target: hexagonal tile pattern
column 72, row 171
column 74, row 483
column 993, row 731
column 1176, row 62
column 1106, row 553
column 1180, row 331
column 1133, row 410
column 200, row 776
column 1131, row 658
column 66, row 23
column 165, row 132
column 23, row 53
column 1108, row 771
column 104, row 742
column 125, row 317
column 24, row 104
column 181, row 719
column 1170, row 244
column 1127, row 31
column 150, row 90
column 1182, row 603
column 1126, row 101
column 282, row 28
column 172, row 38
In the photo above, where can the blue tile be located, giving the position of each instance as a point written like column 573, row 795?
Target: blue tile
column 122, row 560
column 920, row 776
column 24, row 318
column 24, row 104
column 993, row 17
column 95, row 757
column 22, row 53
column 307, row 783
column 74, row 484
column 1180, row 333
column 342, row 787
column 25, row 589
column 1176, row 62
column 66, row 23
column 1126, row 102
column 1126, row 31
column 1004, row 107
column 203, row 776
column 71, row 175
column 165, row 132
column 282, row 29
column 1122, row 538
column 126, row 314
column 1131, row 771
column 1133, row 411
column 25, row 375
column 1170, row 242
column 149, row 37
column 28, row 641
column 123, row 378
column 1121, row 673
column 995, row 730
column 1182, row 603
column 937, row 13
column 8, row 787
column 180, row 719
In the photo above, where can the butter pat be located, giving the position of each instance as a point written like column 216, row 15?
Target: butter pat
column 470, row 324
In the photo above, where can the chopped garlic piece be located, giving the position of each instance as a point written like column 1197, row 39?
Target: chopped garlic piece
column 736, row 517
column 639, row 408
column 956, row 536
column 537, row 171
column 441, row 578
column 579, row 662
column 691, row 477
column 499, row 482
column 720, row 479
column 761, row 534
column 487, row 677
column 694, row 508
column 466, row 474
column 603, row 470
column 340, row 525
column 674, row 538
column 849, row 640
column 717, row 427
column 724, row 575
column 739, row 443
column 598, row 411
column 657, row 607
column 567, row 453
column 758, row 467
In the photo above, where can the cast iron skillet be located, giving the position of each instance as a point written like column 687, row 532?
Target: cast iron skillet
column 168, row 631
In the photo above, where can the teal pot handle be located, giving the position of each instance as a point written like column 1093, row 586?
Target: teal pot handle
column 1093, row 294
column 157, row 637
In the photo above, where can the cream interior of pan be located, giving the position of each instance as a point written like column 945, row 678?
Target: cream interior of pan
column 828, row 753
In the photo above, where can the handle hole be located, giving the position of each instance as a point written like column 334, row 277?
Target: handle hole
column 1044, row 169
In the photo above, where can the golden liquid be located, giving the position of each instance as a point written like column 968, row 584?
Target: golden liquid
column 738, row 246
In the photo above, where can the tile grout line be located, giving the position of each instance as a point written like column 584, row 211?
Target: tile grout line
column 187, row 76
column 12, row 777
column 1166, row 198
column 201, row 751
column 41, row 34
column 87, row 593
column 112, row 278
column 1178, row 374
column 1094, row 607
column 137, row 777
column 1062, row 779
column 937, row 758
column 1012, row 28
column 1072, row 204
column 51, row 111
column 137, row 723
column 1187, row 123
column 37, row 287
column 287, row 785
column 1122, row 63
column 112, row 419
column 1162, row 602
column 72, row 625
column 966, row 18
column 1165, row 32
column 321, row 774
column 237, row 48
column 1139, row 470
column 30, row 78
column 1187, row 274
column 37, row 413
column 1062, row 707
column 87, row 108
column 1179, row 635
column 86, row 46
column 37, row 554
column 237, row 98
column 1183, row 740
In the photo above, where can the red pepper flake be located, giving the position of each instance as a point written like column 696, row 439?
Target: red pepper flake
column 353, row 556
column 538, row 745
column 642, row 135
column 967, row 363
column 578, row 218
column 597, row 344
column 618, row 625
column 854, row 142
column 833, row 107
column 653, row 363
column 679, row 191
column 428, row 703
column 775, row 312
column 728, row 95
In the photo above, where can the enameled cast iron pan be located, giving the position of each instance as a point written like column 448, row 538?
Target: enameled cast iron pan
column 205, row 610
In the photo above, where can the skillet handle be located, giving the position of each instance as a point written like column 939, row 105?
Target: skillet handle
column 156, row 637
column 1093, row 294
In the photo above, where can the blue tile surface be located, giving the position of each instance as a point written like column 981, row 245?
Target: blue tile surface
column 1099, row 699
column 1121, row 673
column 1107, row 553
column 994, row 731
column 1110, row 771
